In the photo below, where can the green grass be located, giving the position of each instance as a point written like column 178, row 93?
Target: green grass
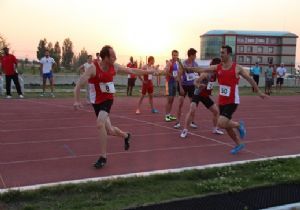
column 130, row 192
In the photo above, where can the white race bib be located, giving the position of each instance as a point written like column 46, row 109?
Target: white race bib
column 210, row 86
column 190, row 76
column 224, row 90
column 175, row 73
column 107, row 87
column 150, row 76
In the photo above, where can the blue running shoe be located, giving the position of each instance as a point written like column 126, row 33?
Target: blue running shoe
column 236, row 149
column 154, row 111
column 242, row 129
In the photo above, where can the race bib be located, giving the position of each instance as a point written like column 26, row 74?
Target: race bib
column 210, row 86
column 224, row 90
column 107, row 87
column 150, row 76
column 175, row 73
column 190, row 76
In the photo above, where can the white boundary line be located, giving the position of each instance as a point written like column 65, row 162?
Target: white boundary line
column 143, row 174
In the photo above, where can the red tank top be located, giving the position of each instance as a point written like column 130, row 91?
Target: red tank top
column 228, row 85
column 207, row 91
column 96, row 95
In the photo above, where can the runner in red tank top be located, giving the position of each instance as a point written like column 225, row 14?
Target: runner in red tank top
column 203, row 89
column 228, row 74
column 147, row 85
column 100, row 80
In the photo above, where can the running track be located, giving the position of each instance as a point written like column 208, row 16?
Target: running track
column 45, row 141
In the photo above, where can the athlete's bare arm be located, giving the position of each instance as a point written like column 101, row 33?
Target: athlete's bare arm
column 241, row 71
column 89, row 73
column 126, row 70
column 197, row 81
column 198, row 69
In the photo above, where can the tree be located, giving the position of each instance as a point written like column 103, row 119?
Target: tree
column 67, row 53
column 41, row 49
column 57, row 55
column 82, row 57
column 3, row 43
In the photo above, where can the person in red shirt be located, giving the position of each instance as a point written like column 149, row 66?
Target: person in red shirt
column 228, row 75
column 9, row 64
column 147, row 86
column 99, row 77
column 131, row 77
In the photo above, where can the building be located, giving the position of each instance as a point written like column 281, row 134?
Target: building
column 250, row 47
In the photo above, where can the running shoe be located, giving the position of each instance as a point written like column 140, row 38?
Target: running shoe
column 193, row 125
column 127, row 141
column 154, row 111
column 8, row 97
column 184, row 133
column 52, row 95
column 217, row 131
column 42, row 94
column 21, row 96
column 177, row 125
column 168, row 118
column 172, row 117
column 242, row 129
column 100, row 162
column 237, row 148
column 137, row 111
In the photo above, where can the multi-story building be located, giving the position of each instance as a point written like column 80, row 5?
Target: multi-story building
column 250, row 47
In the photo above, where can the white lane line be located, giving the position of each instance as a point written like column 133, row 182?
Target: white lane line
column 144, row 174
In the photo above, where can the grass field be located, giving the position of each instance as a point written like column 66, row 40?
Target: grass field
column 130, row 192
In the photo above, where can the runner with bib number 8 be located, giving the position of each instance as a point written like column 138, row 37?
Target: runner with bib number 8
column 100, row 80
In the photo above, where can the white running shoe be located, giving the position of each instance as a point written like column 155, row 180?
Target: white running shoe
column 42, row 94
column 193, row 125
column 218, row 131
column 177, row 125
column 184, row 133
column 21, row 96
column 8, row 97
column 52, row 95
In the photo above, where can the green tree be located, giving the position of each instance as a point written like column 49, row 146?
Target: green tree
column 67, row 53
column 57, row 55
column 82, row 57
column 3, row 43
column 41, row 48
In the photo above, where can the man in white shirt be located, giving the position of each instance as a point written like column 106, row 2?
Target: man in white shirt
column 46, row 65
column 83, row 68
column 280, row 71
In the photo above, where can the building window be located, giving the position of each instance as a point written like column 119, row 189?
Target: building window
column 271, row 50
column 260, row 49
column 248, row 59
column 259, row 59
column 241, row 48
column 241, row 59
column 270, row 60
column 261, row 40
column 241, row 39
column 249, row 49
column 273, row 41
column 250, row 40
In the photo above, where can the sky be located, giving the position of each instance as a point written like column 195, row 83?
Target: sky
column 137, row 27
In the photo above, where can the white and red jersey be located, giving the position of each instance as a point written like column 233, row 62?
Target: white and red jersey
column 97, row 96
column 228, row 85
